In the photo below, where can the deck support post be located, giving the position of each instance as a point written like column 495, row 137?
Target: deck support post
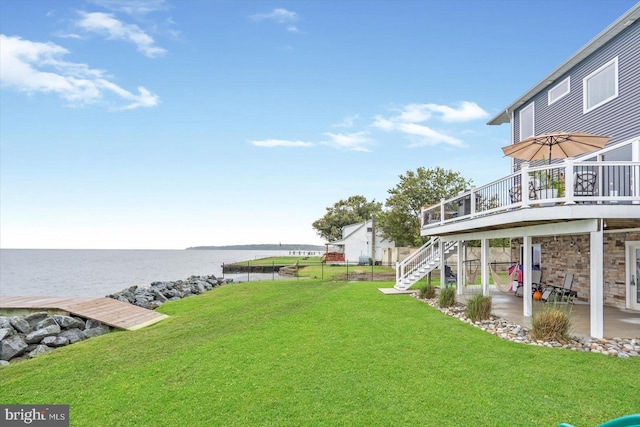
column 526, row 276
column 595, row 282
column 484, row 259
column 443, row 273
column 460, row 266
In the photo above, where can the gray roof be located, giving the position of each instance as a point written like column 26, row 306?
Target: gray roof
column 610, row 32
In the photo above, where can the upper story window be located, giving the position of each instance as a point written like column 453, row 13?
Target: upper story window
column 559, row 90
column 526, row 122
column 601, row 86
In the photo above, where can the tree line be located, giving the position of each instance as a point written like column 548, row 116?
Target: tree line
column 399, row 217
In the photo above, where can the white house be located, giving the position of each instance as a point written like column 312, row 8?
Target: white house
column 359, row 244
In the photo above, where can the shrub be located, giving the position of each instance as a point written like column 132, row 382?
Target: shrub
column 447, row 297
column 551, row 324
column 479, row 307
column 427, row 291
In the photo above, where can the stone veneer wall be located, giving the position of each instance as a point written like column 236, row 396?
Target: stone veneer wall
column 570, row 253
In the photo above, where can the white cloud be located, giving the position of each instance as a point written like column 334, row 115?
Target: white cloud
column 411, row 118
column 34, row 67
column 132, row 7
column 279, row 16
column 466, row 111
column 347, row 122
column 106, row 24
column 270, row 143
column 352, row 141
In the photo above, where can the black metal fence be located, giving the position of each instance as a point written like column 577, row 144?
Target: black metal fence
column 256, row 271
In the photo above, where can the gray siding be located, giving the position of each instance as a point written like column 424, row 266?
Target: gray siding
column 618, row 118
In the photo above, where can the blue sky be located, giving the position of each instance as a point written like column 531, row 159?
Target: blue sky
column 168, row 124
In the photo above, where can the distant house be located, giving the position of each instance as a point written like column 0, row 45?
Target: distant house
column 358, row 243
column 589, row 224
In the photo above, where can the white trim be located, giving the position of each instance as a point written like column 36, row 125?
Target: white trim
column 533, row 120
column 563, row 94
column 585, row 86
column 560, row 228
column 596, row 281
column 629, row 261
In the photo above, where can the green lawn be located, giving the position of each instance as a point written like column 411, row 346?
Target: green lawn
column 322, row 354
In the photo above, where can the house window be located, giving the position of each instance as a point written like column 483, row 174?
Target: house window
column 559, row 90
column 526, row 122
column 601, row 86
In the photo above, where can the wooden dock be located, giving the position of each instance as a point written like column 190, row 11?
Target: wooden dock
column 106, row 310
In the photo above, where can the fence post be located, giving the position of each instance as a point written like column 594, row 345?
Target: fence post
column 347, row 262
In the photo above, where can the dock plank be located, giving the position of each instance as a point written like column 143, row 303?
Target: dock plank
column 106, row 310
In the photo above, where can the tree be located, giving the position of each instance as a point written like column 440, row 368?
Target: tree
column 353, row 210
column 424, row 187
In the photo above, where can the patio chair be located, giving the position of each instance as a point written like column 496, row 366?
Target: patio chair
column 584, row 183
column 535, row 185
column 561, row 293
column 515, row 194
column 449, row 275
column 536, row 275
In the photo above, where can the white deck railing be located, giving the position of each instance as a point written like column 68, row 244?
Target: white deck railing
column 566, row 183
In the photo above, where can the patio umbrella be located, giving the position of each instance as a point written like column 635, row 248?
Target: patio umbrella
column 555, row 145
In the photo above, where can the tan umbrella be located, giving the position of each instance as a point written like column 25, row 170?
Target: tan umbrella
column 555, row 145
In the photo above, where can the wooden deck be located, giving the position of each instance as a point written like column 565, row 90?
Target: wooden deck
column 106, row 310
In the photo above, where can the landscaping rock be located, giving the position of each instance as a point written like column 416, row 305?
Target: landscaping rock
column 68, row 322
column 35, row 318
column 4, row 363
column 94, row 332
column 73, row 335
column 20, row 325
column 6, row 332
column 12, row 347
column 38, row 335
column 54, row 341
column 41, row 349
column 49, row 321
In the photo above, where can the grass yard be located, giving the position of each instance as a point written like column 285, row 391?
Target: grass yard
column 324, row 354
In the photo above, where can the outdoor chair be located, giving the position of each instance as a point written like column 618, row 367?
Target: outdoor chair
column 584, row 183
column 536, row 275
column 515, row 194
column 534, row 188
column 562, row 293
column 449, row 275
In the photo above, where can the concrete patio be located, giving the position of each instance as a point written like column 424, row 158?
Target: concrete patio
column 618, row 323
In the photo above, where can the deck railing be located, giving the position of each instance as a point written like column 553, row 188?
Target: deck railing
column 566, row 183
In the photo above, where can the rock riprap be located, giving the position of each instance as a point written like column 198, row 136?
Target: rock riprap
column 28, row 336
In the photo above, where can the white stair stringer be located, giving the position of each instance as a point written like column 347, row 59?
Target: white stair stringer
column 421, row 262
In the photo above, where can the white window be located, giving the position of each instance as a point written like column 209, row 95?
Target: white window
column 526, row 122
column 559, row 90
column 601, row 86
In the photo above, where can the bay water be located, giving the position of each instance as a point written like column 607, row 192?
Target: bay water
column 99, row 272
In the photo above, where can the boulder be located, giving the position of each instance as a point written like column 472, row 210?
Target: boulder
column 90, row 324
column 41, row 349
column 54, row 341
column 34, row 318
column 159, row 297
column 12, row 347
column 5, row 322
column 94, row 332
column 49, row 321
column 68, row 322
column 6, row 332
column 20, row 325
column 4, row 363
column 73, row 335
column 38, row 335
column 141, row 302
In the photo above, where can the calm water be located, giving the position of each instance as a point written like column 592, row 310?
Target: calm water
column 96, row 273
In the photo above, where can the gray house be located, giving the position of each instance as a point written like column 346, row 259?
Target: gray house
column 589, row 225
